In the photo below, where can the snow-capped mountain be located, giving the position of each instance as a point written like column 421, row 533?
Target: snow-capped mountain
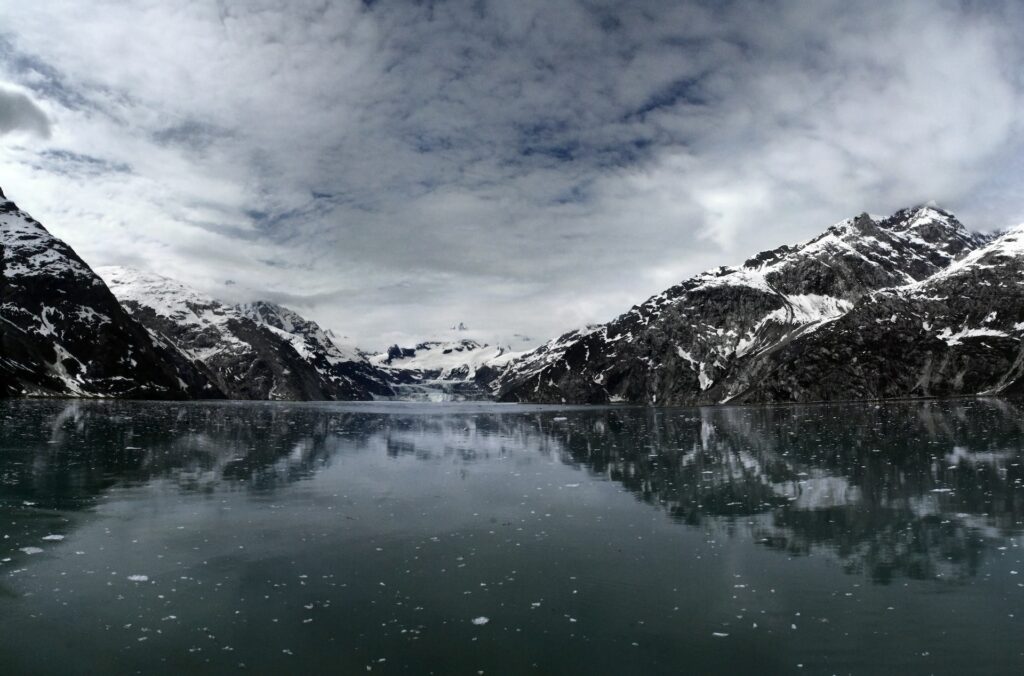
column 444, row 369
column 255, row 351
column 333, row 360
column 62, row 333
column 717, row 336
column 912, row 304
column 960, row 331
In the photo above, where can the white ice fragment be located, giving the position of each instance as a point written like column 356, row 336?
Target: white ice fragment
column 718, row 634
column 32, row 550
column 54, row 538
column 139, row 578
column 480, row 621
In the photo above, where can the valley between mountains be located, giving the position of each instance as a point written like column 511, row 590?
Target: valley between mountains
column 908, row 305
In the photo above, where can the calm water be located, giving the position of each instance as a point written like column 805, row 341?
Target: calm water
column 467, row 539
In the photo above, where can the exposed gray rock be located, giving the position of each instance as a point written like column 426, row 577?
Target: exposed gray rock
column 738, row 333
column 346, row 368
column 958, row 332
column 62, row 333
column 255, row 351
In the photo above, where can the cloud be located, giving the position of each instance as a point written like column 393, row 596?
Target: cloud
column 393, row 168
column 19, row 113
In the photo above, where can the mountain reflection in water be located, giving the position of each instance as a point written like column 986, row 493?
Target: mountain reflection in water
column 921, row 490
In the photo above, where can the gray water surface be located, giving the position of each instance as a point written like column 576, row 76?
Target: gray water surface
column 502, row 539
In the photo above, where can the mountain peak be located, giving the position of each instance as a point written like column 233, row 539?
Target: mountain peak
column 922, row 215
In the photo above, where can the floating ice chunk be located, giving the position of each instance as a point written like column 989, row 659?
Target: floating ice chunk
column 480, row 621
column 718, row 634
column 32, row 550
column 559, row 418
column 54, row 538
column 139, row 578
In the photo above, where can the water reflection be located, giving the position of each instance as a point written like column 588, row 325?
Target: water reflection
column 916, row 490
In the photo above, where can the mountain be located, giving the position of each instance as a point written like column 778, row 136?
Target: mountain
column 255, row 351
column 62, row 332
column 444, row 369
column 961, row 331
column 334, row 362
column 764, row 330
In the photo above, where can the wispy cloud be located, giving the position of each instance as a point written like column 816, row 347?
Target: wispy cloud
column 392, row 168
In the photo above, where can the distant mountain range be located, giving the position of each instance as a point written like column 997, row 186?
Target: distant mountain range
column 69, row 331
column 444, row 369
column 909, row 305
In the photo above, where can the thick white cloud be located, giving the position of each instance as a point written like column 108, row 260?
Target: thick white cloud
column 393, row 168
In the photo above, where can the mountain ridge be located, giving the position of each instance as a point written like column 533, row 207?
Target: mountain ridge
column 674, row 347
column 258, row 350
column 62, row 333
column 912, row 304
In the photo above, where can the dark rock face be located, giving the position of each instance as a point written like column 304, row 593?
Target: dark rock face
column 346, row 369
column 958, row 332
column 62, row 333
column 256, row 351
column 742, row 333
column 8, row 384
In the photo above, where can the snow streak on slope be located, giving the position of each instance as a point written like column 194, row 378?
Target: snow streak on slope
column 682, row 342
column 63, row 332
column 256, row 351
column 204, row 320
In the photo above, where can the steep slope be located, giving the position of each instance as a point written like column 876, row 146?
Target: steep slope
column 958, row 332
column 8, row 384
column 62, row 333
column 259, row 351
column 346, row 367
column 444, row 369
column 681, row 346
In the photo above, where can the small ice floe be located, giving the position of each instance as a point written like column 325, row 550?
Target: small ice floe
column 139, row 578
column 480, row 621
column 53, row 538
column 29, row 504
column 560, row 418
column 32, row 550
column 942, row 490
column 572, row 485
column 719, row 634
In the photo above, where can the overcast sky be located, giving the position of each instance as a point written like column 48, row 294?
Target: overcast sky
column 392, row 168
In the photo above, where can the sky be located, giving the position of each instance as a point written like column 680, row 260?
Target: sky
column 390, row 169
